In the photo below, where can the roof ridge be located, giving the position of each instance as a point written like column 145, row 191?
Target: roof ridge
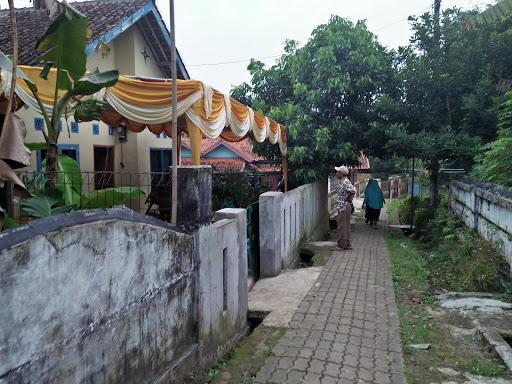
column 92, row 2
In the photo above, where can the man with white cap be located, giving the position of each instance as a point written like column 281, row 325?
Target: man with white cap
column 345, row 192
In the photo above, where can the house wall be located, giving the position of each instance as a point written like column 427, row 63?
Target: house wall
column 221, row 151
column 124, row 55
column 487, row 208
column 287, row 220
column 113, row 296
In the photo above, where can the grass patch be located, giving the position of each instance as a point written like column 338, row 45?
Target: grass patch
column 243, row 362
column 393, row 207
column 488, row 368
column 458, row 259
column 413, row 283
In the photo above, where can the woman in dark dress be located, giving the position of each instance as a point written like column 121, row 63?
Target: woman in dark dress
column 373, row 201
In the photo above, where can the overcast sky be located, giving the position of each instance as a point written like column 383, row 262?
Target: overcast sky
column 219, row 31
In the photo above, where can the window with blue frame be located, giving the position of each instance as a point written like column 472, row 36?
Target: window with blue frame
column 164, row 135
column 71, row 150
column 60, row 125
column 111, row 130
column 95, row 129
column 38, row 123
column 157, row 135
column 74, row 127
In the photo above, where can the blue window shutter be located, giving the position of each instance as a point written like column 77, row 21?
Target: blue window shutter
column 95, row 129
column 38, row 123
column 60, row 125
column 111, row 130
column 74, row 127
column 157, row 136
column 164, row 135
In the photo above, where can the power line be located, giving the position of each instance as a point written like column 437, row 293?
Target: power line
column 233, row 62
column 401, row 20
column 274, row 56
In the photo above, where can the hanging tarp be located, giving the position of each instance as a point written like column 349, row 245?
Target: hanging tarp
column 146, row 103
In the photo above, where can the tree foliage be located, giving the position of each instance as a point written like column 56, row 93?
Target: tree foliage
column 324, row 92
column 494, row 164
column 448, row 93
column 435, row 99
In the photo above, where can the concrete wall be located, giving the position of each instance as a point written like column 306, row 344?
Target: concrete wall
column 223, row 283
column 113, row 296
column 288, row 219
column 487, row 208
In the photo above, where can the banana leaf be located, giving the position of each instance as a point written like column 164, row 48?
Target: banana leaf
column 36, row 146
column 6, row 65
column 42, row 206
column 108, row 197
column 498, row 11
column 94, row 82
column 69, row 179
column 63, row 43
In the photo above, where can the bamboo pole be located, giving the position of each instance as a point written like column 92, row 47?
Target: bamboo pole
column 174, row 121
column 11, row 103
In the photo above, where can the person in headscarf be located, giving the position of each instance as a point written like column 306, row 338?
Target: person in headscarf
column 373, row 201
column 345, row 192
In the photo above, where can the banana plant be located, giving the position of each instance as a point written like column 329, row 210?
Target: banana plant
column 500, row 10
column 62, row 49
column 68, row 194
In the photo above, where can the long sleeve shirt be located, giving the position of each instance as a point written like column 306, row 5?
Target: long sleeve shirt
column 344, row 194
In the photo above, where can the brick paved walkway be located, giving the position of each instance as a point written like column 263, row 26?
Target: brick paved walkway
column 346, row 328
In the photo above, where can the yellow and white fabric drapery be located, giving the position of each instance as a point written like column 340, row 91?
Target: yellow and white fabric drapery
column 146, row 103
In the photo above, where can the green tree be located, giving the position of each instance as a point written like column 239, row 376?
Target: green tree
column 447, row 80
column 325, row 93
column 494, row 164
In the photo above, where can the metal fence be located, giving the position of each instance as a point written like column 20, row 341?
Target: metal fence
column 146, row 193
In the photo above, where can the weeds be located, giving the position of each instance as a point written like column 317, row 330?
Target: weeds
column 414, row 284
column 483, row 367
column 458, row 258
column 507, row 295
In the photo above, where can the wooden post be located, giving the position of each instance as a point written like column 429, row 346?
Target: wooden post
column 174, row 121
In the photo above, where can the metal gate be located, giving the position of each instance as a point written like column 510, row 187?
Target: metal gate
column 253, row 240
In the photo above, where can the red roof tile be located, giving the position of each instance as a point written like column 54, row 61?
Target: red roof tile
column 241, row 148
column 31, row 23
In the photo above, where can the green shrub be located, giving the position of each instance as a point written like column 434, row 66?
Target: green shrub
column 234, row 189
column 458, row 258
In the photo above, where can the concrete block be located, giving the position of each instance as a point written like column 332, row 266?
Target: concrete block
column 239, row 215
column 195, row 195
column 219, row 322
column 270, row 209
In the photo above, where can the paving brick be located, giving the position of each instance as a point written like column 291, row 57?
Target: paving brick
column 329, row 380
column 312, row 378
column 346, row 328
column 321, row 354
column 316, row 366
column 332, row 369
column 285, row 363
column 295, row 377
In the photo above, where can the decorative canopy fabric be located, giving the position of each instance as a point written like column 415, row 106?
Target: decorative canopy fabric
column 144, row 102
